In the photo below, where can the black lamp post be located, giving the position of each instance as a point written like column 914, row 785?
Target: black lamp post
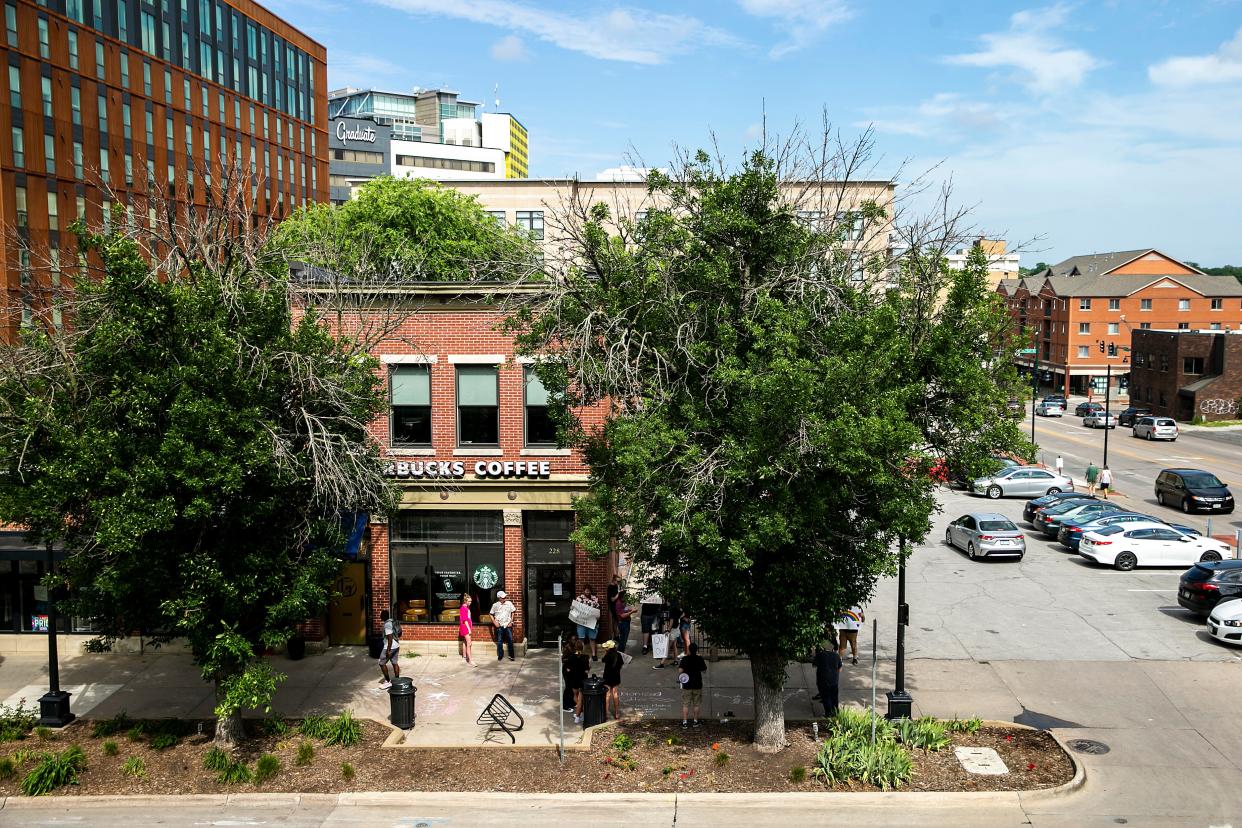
column 54, row 705
column 901, row 703
column 1108, row 387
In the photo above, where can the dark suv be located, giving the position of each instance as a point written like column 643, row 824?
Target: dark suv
column 1207, row 583
column 1085, row 409
column 1193, row 490
column 1130, row 414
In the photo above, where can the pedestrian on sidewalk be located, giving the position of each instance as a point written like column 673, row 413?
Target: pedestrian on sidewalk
column 568, row 650
column 588, row 628
column 690, row 677
column 577, row 666
column 848, row 626
column 465, row 628
column 828, row 675
column 391, row 649
column 1106, row 481
column 683, row 630
column 1093, row 474
column 613, row 662
column 1060, row 465
column 502, row 617
column 649, row 616
column 622, row 613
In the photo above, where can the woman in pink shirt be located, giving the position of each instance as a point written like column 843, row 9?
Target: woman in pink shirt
column 464, row 628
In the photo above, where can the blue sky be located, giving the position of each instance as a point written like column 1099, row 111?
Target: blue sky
column 1082, row 126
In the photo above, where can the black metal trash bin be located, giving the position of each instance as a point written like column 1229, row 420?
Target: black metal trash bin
column 593, row 692
column 375, row 643
column 401, row 700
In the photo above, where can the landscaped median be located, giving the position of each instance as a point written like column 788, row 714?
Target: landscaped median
column 341, row 754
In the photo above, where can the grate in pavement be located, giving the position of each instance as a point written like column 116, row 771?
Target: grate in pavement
column 1090, row 746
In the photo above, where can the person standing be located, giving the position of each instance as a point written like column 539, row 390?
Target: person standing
column 1060, row 465
column 589, row 633
column 650, row 606
column 613, row 662
column 828, row 675
column 391, row 649
column 614, row 589
column 1106, row 481
column 848, row 626
column 568, row 651
column 690, row 676
column 502, row 617
column 576, row 673
column 465, row 629
column 622, row 614
column 1093, row 474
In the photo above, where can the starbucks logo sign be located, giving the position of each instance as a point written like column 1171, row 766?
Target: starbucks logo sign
column 486, row 577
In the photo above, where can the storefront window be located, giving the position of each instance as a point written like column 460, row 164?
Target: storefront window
column 438, row 555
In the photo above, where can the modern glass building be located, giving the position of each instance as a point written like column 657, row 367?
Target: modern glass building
column 131, row 94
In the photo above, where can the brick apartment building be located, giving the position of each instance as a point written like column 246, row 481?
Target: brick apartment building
column 486, row 495
column 1081, row 313
column 1187, row 374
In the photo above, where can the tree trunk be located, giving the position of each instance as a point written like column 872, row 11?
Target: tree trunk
column 229, row 729
column 768, row 672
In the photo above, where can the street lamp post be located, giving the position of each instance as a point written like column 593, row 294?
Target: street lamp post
column 1108, row 387
column 53, row 705
column 900, row 703
column 1034, row 380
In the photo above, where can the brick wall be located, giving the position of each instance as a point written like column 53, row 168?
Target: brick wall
column 1159, row 374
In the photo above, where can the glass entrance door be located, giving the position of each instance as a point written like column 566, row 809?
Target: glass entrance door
column 549, row 592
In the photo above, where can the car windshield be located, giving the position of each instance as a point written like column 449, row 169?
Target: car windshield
column 997, row 526
column 1201, row 480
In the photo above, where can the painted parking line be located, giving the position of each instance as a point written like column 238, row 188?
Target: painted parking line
column 1151, row 590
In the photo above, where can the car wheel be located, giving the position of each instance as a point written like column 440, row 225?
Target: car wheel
column 1126, row 561
column 1160, row 498
column 1186, row 507
column 1149, row 437
column 970, row 550
column 948, row 537
column 994, row 492
column 1210, row 556
column 1053, row 490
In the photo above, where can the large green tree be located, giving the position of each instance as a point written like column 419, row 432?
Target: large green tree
column 194, row 436
column 776, row 387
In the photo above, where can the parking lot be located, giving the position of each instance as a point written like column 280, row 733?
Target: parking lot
column 1051, row 605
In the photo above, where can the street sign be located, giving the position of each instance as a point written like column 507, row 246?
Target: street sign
column 1026, row 350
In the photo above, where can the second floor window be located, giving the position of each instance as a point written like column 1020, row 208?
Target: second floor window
column 1114, row 304
column 1084, row 327
column 1218, row 304
column 540, row 431
column 478, row 414
column 1084, row 304
column 1183, row 304
column 411, row 405
column 531, row 221
column 1145, row 304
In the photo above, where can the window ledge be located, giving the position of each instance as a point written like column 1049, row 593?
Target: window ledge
column 412, row 452
column 478, row 452
column 545, row 452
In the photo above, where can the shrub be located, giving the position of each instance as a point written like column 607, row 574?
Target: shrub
column 216, row 760
column 16, row 722
column 55, row 770
column 316, row 727
column 234, row 773
column 858, row 724
column 667, row 769
column 135, row 767
column 275, row 727
column 164, row 741
column 8, row 768
column 622, row 743
column 110, row 727
column 721, row 759
column 44, row 733
column 347, row 771
column 306, row 753
column 344, row 730
column 956, row 725
column 797, row 774
column 22, row 756
column 925, row 732
column 843, row 756
column 267, row 767
column 110, row 748
column 135, row 733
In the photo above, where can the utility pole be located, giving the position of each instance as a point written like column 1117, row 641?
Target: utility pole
column 1108, row 387
column 900, row 703
column 54, row 705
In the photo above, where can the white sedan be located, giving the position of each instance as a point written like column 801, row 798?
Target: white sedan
column 1225, row 622
column 1127, row 545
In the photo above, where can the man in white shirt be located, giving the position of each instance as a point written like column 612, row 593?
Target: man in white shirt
column 502, row 619
column 391, row 649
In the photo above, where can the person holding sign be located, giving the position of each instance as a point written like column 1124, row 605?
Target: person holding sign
column 584, row 612
column 848, row 626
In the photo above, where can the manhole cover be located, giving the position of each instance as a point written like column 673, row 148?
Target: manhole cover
column 1090, row 746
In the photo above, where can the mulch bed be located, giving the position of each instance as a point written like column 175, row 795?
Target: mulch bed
column 665, row 758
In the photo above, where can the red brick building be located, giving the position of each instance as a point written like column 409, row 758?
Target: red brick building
column 1188, row 374
column 487, row 496
column 1082, row 312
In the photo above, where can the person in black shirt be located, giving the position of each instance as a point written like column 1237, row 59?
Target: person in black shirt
column 690, row 675
column 612, row 678
column 576, row 667
column 827, row 675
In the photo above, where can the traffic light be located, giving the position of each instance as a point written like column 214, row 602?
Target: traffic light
column 1101, row 346
column 1112, row 349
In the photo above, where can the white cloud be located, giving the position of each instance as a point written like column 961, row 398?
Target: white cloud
column 946, row 114
column 360, row 70
column 1224, row 66
column 510, row 49
column 801, row 20
column 621, row 34
column 1039, row 59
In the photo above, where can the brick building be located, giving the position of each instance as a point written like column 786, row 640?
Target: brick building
column 1082, row 312
column 486, row 495
column 1187, row 374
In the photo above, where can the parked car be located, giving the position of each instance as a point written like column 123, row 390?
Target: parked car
column 1155, row 428
column 1100, row 419
column 1225, row 622
column 1130, row 413
column 1207, row 583
column 1193, row 490
column 1085, row 408
column 960, row 478
column 1032, row 506
column 1055, row 398
column 1050, row 408
column 1071, row 531
column 1128, row 545
column 985, row 535
column 1016, row 408
column 1048, row 520
column 1018, row 481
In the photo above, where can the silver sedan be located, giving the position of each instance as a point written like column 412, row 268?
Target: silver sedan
column 986, row 535
column 1022, row 481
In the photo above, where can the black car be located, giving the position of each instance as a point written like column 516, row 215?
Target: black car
column 1131, row 413
column 1084, row 409
column 1028, row 511
column 1193, row 490
column 1207, row 583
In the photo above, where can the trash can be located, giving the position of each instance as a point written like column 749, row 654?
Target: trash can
column 593, row 692
column 375, row 643
column 401, row 699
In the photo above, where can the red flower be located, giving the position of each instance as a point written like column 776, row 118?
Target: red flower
column 715, row 745
column 1008, row 738
column 1031, row 766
